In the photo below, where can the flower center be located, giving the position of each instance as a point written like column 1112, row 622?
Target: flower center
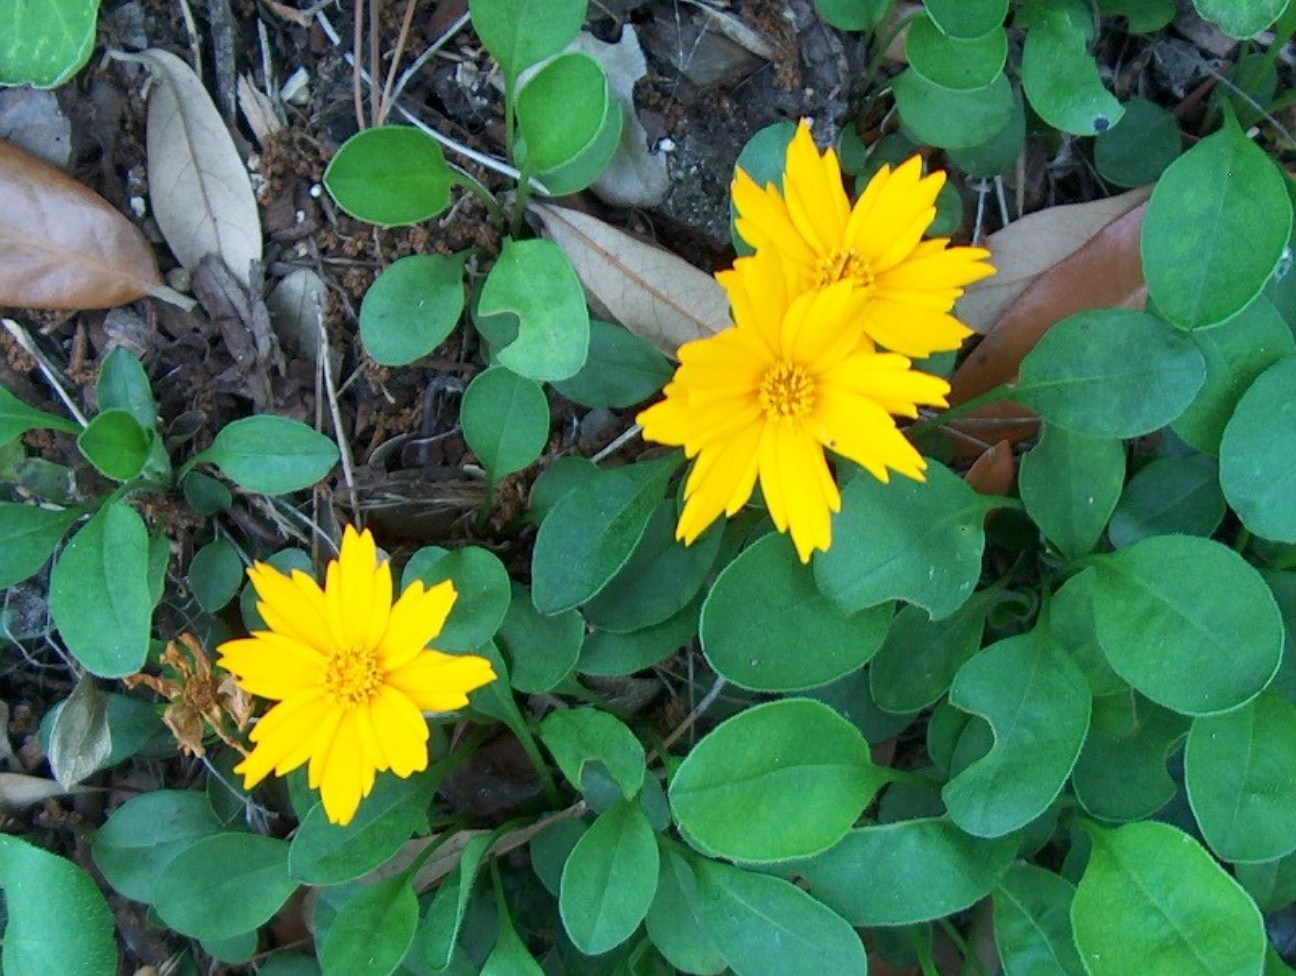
column 787, row 391
column 353, row 676
column 843, row 266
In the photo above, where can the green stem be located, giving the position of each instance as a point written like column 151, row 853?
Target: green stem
column 1283, row 31
column 994, row 395
column 484, row 195
column 911, row 779
column 1242, row 539
column 422, row 857
column 923, row 950
column 961, row 944
column 528, row 743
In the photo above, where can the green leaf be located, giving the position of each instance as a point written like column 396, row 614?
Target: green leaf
column 145, row 833
column 99, row 593
column 1070, row 484
column 1153, row 902
column 535, row 281
column 920, row 656
column 558, row 478
column 1111, row 373
column 1032, row 923
column 45, row 44
column 951, row 119
column 542, row 648
column 962, row 64
column 412, row 307
column 509, row 956
column 800, row 773
column 1241, row 18
column 661, row 578
column 58, row 920
column 1188, row 623
column 1215, row 230
column 390, row 175
column 765, row 926
column 907, row 540
column 766, row 627
column 520, row 33
column 998, row 153
column 1138, row 148
column 235, row 950
column 270, row 455
column 592, row 532
column 1170, row 495
column 609, row 879
column 445, row 914
column 1142, row 16
column 853, row 15
column 577, row 736
column 204, row 494
column 1256, row 470
column 482, row 583
column 123, row 385
column 1037, row 702
column 215, row 574
column 224, row 884
column 373, row 930
column 620, row 371
column 607, row 654
column 1121, row 773
column 30, row 535
column 1058, row 73
column 16, row 418
column 674, row 920
column 1236, row 353
column 505, row 420
column 560, row 110
column 115, row 444
column 550, row 849
column 967, row 18
column 323, row 853
column 1071, row 622
column 1238, row 772
column 1271, row 883
column 907, row 872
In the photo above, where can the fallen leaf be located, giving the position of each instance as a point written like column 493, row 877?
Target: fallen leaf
column 19, row 791
column 1026, row 248
column 653, row 293
column 994, row 472
column 80, row 740
column 64, row 246
column 202, row 196
column 1105, row 272
column 297, row 306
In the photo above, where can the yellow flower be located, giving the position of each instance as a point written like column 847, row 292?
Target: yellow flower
column 907, row 285
column 794, row 375
column 350, row 672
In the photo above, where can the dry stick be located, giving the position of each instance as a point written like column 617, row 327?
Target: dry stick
column 375, row 60
column 344, row 445
column 195, row 46
column 384, row 103
column 46, row 367
column 357, row 39
column 409, row 73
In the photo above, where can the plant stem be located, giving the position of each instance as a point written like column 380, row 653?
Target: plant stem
column 1002, row 392
column 528, row 743
column 923, row 951
column 492, row 205
column 961, row 944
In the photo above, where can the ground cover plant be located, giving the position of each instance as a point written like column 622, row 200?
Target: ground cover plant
column 410, row 567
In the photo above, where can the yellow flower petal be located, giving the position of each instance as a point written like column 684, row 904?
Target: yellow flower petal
column 272, row 665
column 437, row 682
column 279, row 736
column 812, row 187
column 418, row 616
column 721, row 482
column 911, row 330
column 798, row 487
column 345, row 773
column 357, row 589
column 291, row 605
column 763, row 220
column 857, row 428
column 401, row 730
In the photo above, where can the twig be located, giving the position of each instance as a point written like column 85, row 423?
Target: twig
column 375, row 61
column 617, row 444
column 195, row 46
column 344, row 445
column 384, row 103
column 408, row 75
column 707, row 701
column 46, row 367
column 357, row 38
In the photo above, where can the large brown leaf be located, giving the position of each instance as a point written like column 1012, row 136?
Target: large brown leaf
column 651, row 292
column 1105, row 272
column 202, row 195
column 64, row 246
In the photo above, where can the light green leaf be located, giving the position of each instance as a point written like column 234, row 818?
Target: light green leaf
column 967, row 18
column 16, row 418
column 1257, row 466
column 30, row 535
column 674, row 920
column 951, row 119
column 609, row 879
column 578, row 736
column 44, row 44
column 390, row 175
column 1241, row 18
column 270, row 455
column 505, row 420
column 1059, row 74
column 372, row 931
column 412, row 307
column 520, row 33
column 1032, row 924
column 963, row 64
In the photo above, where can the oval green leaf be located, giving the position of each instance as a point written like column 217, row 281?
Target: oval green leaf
column 621, row 370
column 560, row 110
column 1256, row 455
column 99, row 593
column 390, row 175
column 1153, row 902
column 1070, row 484
column 1215, row 229
column 30, row 535
column 1238, row 771
column 1032, row 923
column 920, row 656
column 766, row 627
column 798, row 771
column 1138, row 148
column 963, row 64
column 1111, row 373
column 145, row 833
column 577, row 736
column 505, row 420
column 215, row 574
column 373, row 930
column 907, row 540
column 45, row 44
column 952, row 119
column 1121, row 773
column 967, row 18
column 115, row 444
column 411, row 308
column 1170, row 495
column 542, row 649
column 270, row 455
column 1059, row 75
column 908, row 872
column 1188, row 623
column 520, row 33
column 1241, row 18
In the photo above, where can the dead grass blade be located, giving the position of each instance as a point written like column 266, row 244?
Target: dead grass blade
column 653, row 293
column 64, row 246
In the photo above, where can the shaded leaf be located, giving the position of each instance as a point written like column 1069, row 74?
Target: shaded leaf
column 80, row 740
column 64, row 246
column 200, row 190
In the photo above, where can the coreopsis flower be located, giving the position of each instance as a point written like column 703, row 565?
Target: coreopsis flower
column 762, row 400
column 907, row 286
column 351, row 672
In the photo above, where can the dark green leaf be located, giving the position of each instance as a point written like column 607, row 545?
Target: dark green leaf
column 952, row 119
column 621, row 370
column 271, row 455
column 1121, row 773
column 30, row 534
column 1070, row 484
column 505, row 420
column 1170, row 495
column 543, row 649
column 1032, row 924
column 145, row 833
column 224, row 884
column 17, row 418
column 609, row 879
column 482, row 583
column 1138, row 148
column 373, row 930
column 1256, row 455
column 412, row 307
column 1058, row 73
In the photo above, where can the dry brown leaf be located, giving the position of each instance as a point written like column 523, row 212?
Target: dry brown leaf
column 64, row 246
column 202, row 196
column 994, row 472
column 1026, row 248
column 653, row 293
column 1105, row 272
